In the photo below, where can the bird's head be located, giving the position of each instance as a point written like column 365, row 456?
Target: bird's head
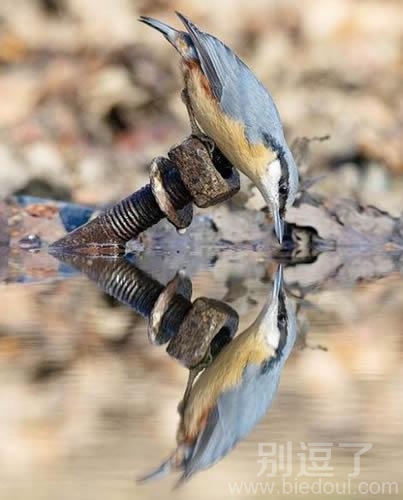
column 277, row 320
column 278, row 183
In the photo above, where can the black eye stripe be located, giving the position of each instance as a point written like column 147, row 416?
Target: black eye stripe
column 283, row 183
column 283, row 190
column 282, row 322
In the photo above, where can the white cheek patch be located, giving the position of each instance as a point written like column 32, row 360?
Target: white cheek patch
column 268, row 185
column 273, row 337
column 269, row 328
column 271, row 181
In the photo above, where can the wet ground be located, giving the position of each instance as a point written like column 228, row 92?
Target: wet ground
column 88, row 404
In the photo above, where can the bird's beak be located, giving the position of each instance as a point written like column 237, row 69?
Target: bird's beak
column 278, row 224
column 277, row 283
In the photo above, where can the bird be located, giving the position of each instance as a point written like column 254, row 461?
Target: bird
column 235, row 391
column 228, row 104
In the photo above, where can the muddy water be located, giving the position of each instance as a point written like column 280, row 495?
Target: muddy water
column 87, row 404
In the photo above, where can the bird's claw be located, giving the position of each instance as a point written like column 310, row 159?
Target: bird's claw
column 209, row 143
column 193, row 373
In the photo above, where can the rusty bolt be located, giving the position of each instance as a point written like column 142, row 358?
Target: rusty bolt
column 215, row 182
column 207, row 319
column 190, row 174
column 192, row 330
column 179, row 285
column 179, row 217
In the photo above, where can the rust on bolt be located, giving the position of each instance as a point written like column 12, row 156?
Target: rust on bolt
column 213, row 183
column 181, row 285
column 190, row 174
column 205, row 320
column 179, row 217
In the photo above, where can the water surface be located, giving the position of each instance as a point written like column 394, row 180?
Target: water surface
column 88, row 405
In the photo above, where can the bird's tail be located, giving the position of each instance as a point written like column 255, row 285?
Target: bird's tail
column 180, row 40
column 176, row 462
column 163, row 470
column 168, row 32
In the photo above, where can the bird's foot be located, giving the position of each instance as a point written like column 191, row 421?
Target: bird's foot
column 205, row 362
column 209, row 143
column 193, row 373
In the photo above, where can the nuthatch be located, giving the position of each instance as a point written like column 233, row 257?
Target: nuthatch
column 233, row 108
column 236, row 390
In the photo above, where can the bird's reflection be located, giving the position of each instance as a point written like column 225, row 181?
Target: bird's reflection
column 236, row 390
column 232, row 392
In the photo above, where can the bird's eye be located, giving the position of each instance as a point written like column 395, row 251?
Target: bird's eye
column 283, row 189
column 282, row 318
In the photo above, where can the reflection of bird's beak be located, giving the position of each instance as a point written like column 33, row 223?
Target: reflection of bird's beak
column 278, row 283
column 278, row 224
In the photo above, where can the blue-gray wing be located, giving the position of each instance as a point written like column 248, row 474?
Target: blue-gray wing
column 235, row 87
column 236, row 413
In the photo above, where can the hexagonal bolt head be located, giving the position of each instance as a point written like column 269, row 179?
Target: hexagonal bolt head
column 206, row 319
column 210, row 179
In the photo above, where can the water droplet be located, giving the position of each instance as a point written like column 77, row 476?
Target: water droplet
column 30, row 242
column 181, row 230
